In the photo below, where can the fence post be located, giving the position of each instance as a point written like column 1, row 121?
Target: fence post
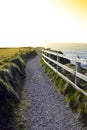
column 48, row 49
column 58, row 60
column 78, row 69
column 45, row 54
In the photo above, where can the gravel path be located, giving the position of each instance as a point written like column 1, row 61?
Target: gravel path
column 48, row 109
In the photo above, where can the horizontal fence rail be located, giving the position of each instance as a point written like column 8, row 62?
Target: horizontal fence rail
column 46, row 57
column 82, row 61
column 59, row 64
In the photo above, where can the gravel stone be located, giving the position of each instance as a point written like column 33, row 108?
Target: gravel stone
column 48, row 110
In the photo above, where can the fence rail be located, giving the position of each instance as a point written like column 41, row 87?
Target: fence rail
column 46, row 56
column 82, row 61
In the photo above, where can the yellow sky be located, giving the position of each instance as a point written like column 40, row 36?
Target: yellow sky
column 79, row 6
column 76, row 6
column 35, row 22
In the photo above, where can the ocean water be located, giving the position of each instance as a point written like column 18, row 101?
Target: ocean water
column 73, row 53
column 74, row 49
column 80, row 52
column 71, row 50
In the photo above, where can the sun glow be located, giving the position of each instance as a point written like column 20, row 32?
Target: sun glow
column 34, row 22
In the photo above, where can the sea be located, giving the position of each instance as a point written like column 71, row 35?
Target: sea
column 73, row 54
column 74, row 51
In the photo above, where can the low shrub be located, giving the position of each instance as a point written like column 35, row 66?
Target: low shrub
column 62, row 60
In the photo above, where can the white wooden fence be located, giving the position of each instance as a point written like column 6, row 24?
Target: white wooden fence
column 46, row 56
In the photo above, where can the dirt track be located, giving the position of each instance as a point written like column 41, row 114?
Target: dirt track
column 48, row 109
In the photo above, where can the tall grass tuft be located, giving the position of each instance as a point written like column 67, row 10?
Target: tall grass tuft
column 19, row 62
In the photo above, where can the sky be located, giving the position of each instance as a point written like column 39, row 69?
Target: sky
column 39, row 22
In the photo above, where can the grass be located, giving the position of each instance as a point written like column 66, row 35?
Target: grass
column 20, row 118
column 7, row 52
column 76, row 100
column 12, row 75
column 70, row 76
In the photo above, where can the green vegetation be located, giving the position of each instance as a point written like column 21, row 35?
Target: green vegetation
column 12, row 75
column 20, row 121
column 62, row 60
column 76, row 100
column 7, row 52
column 67, row 63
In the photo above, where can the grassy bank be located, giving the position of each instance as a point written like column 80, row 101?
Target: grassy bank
column 7, row 52
column 76, row 100
column 12, row 75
